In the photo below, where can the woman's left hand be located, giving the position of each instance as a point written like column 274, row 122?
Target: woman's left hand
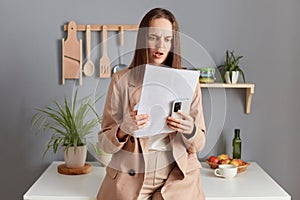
column 184, row 125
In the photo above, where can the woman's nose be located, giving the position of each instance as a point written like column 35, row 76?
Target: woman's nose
column 160, row 43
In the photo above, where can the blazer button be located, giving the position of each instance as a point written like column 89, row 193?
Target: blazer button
column 132, row 139
column 131, row 172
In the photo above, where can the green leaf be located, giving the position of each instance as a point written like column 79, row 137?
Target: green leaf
column 241, row 71
column 74, row 102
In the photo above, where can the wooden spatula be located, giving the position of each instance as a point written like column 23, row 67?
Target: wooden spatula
column 104, row 60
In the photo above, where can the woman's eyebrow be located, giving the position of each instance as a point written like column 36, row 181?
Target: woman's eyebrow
column 156, row 35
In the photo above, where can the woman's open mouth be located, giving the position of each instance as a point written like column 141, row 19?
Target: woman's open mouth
column 158, row 54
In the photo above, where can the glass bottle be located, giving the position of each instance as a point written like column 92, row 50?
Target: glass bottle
column 236, row 145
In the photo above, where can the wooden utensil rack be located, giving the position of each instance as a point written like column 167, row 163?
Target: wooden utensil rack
column 110, row 27
column 72, row 48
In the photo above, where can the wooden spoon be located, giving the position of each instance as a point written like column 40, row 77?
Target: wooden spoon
column 88, row 67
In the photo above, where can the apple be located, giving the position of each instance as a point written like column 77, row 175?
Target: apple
column 223, row 157
column 235, row 162
column 213, row 159
column 224, row 161
column 240, row 162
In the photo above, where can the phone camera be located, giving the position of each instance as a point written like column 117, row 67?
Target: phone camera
column 177, row 106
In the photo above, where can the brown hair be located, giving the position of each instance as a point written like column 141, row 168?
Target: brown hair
column 141, row 56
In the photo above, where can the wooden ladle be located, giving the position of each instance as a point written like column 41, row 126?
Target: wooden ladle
column 89, row 67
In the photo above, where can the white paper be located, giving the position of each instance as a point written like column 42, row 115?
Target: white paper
column 161, row 86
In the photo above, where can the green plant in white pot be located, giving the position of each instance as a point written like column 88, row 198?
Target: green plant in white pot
column 69, row 127
column 230, row 70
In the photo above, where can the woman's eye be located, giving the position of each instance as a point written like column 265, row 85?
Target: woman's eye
column 168, row 39
column 151, row 38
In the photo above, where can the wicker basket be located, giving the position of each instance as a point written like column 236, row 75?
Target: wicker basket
column 241, row 168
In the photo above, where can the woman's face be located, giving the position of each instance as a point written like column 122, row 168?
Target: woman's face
column 159, row 40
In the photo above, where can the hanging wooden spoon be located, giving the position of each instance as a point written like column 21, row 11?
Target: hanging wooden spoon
column 89, row 66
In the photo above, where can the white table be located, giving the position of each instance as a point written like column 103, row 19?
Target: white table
column 253, row 184
column 52, row 185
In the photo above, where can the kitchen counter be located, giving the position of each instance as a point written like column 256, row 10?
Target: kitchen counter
column 254, row 184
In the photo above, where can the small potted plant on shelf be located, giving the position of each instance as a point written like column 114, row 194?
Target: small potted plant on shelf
column 69, row 128
column 230, row 69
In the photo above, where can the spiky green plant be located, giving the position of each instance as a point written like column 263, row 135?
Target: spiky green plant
column 67, row 124
column 231, row 64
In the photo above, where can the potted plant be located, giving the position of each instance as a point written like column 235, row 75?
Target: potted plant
column 69, row 128
column 230, row 69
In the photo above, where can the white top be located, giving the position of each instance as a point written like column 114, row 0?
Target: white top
column 159, row 142
column 253, row 184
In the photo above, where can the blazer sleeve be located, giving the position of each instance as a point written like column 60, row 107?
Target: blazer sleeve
column 111, row 118
column 196, row 141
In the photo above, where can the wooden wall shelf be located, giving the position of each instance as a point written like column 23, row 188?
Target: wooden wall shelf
column 249, row 90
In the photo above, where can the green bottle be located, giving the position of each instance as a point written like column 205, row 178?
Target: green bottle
column 236, row 145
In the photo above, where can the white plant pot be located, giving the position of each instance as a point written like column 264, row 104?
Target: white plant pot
column 75, row 159
column 235, row 77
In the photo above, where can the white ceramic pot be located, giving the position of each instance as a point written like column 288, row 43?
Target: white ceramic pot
column 234, row 78
column 75, row 159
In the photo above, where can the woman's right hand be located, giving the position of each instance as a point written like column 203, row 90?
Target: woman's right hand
column 131, row 123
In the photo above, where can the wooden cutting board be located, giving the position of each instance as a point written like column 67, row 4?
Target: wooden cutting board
column 71, row 55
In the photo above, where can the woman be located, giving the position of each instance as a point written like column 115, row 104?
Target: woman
column 164, row 166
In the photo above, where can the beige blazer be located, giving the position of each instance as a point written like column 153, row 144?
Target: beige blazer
column 124, row 177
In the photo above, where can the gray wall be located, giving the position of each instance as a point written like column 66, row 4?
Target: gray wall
column 266, row 32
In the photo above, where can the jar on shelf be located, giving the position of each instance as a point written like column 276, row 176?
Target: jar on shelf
column 207, row 75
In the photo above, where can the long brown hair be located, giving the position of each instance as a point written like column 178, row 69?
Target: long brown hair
column 141, row 52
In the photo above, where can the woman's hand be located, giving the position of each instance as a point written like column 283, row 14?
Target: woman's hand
column 132, row 122
column 184, row 125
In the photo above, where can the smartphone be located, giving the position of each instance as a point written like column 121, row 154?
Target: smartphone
column 183, row 105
